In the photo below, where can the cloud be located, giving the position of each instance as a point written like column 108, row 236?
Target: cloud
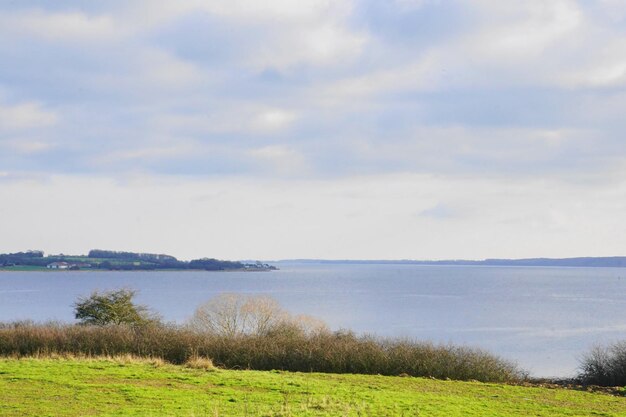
column 422, row 75
column 26, row 146
column 529, row 28
column 75, row 27
column 148, row 153
column 279, row 33
column 320, row 44
column 26, row 115
column 465, row 99
column 606, row 68
column 531, row 43
column 228, row 118
column 143, row 73
column 438, row 211
column 356, row 217
column 280, row 160
column 273, row 119
column 615, row 10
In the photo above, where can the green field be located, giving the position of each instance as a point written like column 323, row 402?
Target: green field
column 24, row 268
column 125, row 387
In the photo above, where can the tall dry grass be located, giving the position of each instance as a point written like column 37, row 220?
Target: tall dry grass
column 283, row 349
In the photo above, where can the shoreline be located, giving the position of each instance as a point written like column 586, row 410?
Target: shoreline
column 136, row 270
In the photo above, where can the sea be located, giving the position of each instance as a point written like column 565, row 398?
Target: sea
column 543, row 318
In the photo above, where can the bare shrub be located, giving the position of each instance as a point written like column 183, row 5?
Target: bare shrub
column 604, row 365
column 304, row 351
column 245, row 332
column 297, row 327
column 262, row 315
column 220, row 315
column 236, row 314
column 308, row 325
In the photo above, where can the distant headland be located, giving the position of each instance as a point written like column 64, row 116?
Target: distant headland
column 607, row 261
column 96, row 259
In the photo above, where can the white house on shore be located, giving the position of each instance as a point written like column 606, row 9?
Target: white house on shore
column 58, row 265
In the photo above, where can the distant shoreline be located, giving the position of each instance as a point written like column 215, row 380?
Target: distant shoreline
column 96, row 270
column 578, row 262
column 98, row 259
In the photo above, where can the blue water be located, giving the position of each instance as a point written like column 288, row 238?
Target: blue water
column 543, row 318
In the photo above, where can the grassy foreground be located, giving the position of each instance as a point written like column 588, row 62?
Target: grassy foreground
column 128, row 387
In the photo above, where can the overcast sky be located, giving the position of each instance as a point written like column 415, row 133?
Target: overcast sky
column 314, row 129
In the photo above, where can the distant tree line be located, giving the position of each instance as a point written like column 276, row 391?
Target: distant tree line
column 108, row 254
column 31, row 257
column 115, row 260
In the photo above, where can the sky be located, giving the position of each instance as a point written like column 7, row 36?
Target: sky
column 397, row 129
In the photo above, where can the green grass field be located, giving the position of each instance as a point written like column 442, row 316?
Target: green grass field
column 24, row 268
column 124, row 387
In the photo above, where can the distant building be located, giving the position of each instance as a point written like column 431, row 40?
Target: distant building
column 58, row 265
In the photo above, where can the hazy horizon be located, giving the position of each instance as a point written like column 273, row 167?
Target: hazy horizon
column 335, row 260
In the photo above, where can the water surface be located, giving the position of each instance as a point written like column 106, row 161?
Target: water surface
column 544, row 318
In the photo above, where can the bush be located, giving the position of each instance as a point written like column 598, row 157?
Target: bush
column 112, row 307
column 332, row 352
column 604, row 366
column 245, row 332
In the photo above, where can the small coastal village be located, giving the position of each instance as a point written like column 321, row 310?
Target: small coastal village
column 67, row 265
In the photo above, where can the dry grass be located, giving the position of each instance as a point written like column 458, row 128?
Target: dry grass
column 122, row 359
column 198, row 362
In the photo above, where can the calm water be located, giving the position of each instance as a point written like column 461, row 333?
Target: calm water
column 544, row 318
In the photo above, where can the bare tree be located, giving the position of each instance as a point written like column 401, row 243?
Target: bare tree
column 262, row 315
column 236, row 314
column 309, row 325
column 221, row 315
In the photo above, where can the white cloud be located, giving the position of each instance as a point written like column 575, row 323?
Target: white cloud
column 250, row 10
column 611, row 75
column 162, row 69
column 284, row 34
column 320, row 43
column 71, row 26
column 423, row 75
column 406, row 5
column 151, row 152
column 26, row 146
column 533, row 43
column 614, row 10
column 147, row 71
column 535, row 26
column 280, row 159
column 604, row 67
column 522, row 43
column 26, row 115
column 230, row 116
column 273, row 119
column 504, row 151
